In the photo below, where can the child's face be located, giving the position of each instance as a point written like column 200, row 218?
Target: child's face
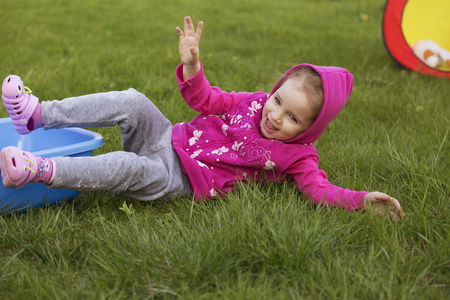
column 287, row 113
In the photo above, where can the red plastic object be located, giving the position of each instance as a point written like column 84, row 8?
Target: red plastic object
column 396, row 43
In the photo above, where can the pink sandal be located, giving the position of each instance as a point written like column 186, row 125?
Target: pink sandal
column 19, row 102
column 21, row 167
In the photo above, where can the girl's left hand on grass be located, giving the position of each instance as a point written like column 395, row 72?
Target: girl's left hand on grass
column 382, row 204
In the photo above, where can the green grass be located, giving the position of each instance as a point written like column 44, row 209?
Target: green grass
column 259, row 242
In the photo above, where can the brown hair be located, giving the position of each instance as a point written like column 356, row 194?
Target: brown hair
column 309, row 82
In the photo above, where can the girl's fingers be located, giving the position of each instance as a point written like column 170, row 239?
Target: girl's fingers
column 198, row 33
column 396, row 204
column 396, row 208
column 394, row 216
column 395, row 211
column 180, row 32
column 188, row 26
column 194, row 51
column 185, row 25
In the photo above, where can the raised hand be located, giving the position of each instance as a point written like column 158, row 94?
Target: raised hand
column 189, row 47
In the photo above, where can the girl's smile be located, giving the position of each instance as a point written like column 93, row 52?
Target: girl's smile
column 287, row 113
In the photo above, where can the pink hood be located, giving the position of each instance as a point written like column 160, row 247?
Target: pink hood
column 337, row 87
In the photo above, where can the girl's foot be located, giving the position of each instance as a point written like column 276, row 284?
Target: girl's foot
column 22, row 106
column 21, row 167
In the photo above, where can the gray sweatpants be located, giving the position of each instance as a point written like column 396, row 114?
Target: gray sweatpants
column 147, row 169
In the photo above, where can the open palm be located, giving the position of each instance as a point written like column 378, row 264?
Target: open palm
column 189, row 42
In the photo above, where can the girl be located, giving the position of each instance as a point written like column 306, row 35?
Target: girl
column 238, row 137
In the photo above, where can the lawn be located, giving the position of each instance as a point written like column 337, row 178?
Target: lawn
column 258, row 242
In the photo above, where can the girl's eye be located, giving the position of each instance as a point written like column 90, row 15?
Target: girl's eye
column 277, row 101
column 293, row 119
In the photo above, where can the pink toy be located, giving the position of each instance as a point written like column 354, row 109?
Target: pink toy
column 19, row 102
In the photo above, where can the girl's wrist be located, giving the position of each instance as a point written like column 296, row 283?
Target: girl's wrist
column 190, row 70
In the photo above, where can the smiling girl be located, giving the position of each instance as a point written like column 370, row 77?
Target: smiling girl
column 238, row 137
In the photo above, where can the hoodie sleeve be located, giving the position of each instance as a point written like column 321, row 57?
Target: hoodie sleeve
column 313, row 182
column 204, row 98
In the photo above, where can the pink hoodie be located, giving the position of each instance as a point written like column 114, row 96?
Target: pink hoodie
column 224, row 144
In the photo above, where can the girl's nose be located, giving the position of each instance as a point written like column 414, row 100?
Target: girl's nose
column 276, row 116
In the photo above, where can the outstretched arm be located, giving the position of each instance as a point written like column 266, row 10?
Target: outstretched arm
column 313, row 182
column 189, row 47
column 382, row 204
